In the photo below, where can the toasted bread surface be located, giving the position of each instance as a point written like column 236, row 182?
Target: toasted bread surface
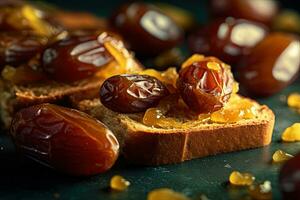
column 14, row 97
column 155, row 146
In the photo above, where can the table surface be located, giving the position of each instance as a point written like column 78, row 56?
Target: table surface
column 23, row 179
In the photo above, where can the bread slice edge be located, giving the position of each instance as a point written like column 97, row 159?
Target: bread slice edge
column 156, row 146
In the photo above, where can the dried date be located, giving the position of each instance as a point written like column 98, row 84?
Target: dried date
column 64, row 139
column 75, row 58
column 205, row 84
column 131, row 93
column 18, row 48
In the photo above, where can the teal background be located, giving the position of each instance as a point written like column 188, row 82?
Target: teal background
column 23, row 179
column 104, row 8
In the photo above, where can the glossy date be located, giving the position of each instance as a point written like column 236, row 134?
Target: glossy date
column 132, row 93
column 227, row 39
column 271, row 66
column 205, row 83
column 18, row 48
column 76, row 57
column 147, row 30
column 255, row 10
column 289, row 179
column 64, row 139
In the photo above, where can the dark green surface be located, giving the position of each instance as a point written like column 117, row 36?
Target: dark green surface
column 21, row 179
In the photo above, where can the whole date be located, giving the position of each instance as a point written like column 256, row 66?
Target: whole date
column 132, row 93
column 64, row 139
column 205, row 83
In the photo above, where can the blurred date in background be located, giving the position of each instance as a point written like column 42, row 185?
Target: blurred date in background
column 258, row 38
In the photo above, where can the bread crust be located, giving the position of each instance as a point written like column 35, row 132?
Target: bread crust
column 152, row 146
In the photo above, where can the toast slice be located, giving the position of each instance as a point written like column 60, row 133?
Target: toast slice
column 13, row 97
column 148, row 145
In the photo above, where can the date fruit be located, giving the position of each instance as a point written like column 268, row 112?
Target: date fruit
column 289, row 181
column 227, row 39
column 146, row 28
column 76, row 57
column 64, row 139
column 16, row 48
column 131, row 93
column 271, row 66
column 255, row 10
column 205, row 83
column 182, row 17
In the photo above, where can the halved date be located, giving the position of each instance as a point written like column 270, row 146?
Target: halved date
column 64, row 139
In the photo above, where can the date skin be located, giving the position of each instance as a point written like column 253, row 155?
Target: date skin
column 289, row 179
column 255, row 10
column 272, row 65
column 227, row 39
column 64, row 139
column 19, row 48
column 204, row 89
column 132, row 93
column 75, row 58
column 147, row 30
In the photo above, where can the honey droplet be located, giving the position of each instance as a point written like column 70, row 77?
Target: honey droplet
column 261, row 191
column 292, row 133
column 236, row 109
column 152, row 116
column 119, row 183
column 241, row 179
column 192, row 59
column 214, row 66
column 235, row 88
column 166, row 194
column 293, row 100
column 281, row 156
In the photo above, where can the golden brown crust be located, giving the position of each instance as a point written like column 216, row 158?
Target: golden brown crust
column 152, row 146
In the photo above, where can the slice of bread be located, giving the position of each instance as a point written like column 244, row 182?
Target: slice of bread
column 14, row 97
column 155, row 146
